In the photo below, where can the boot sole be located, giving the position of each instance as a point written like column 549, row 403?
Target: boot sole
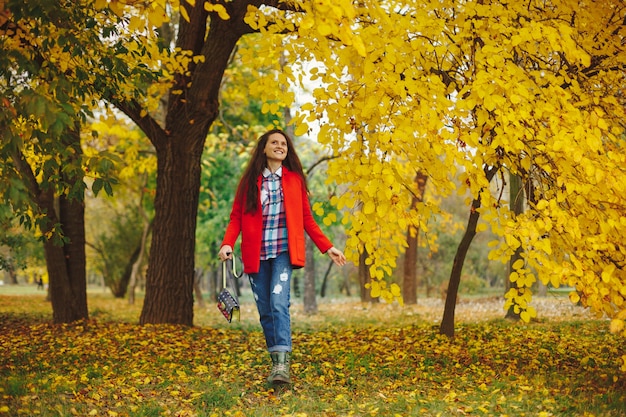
column 280, row 380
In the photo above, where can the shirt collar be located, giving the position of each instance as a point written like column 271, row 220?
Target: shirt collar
column 267, row 172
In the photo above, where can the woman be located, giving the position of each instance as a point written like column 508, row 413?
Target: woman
column 272, row 211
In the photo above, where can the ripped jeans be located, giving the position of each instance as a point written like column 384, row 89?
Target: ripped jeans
column 270, row 287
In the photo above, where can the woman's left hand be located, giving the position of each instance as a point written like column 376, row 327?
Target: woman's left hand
column 337, row 256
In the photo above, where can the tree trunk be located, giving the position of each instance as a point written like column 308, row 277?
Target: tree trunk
column 169, row 281
column 65, row 261
column 364, row 279
column 516, row 201
column 324, row 285
column 212, row 287
column 170, row 276
column 197, row 288
column 409, row 281
column 119, row 287
column 310, row 302
column 132, row 285
column 12, row 275
column 73, row 221
column 447, row 323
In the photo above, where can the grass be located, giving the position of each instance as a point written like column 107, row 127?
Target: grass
column 350, row 359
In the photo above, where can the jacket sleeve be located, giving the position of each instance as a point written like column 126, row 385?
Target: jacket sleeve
column 234, row 225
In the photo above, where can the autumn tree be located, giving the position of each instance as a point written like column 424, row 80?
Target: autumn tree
column 499, row 88
column 56, row 61
column 476, row 91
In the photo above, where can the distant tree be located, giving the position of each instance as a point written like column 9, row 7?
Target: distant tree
column 409, row 278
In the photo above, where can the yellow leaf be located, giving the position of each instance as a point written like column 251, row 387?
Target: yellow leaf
column 324, row 29
column 157, row 15
column 135, row 23
column 117, row 7
column 525, row 316
column 607, row 272
column 369, row 207
column 375, row 289
column 302, row 129
column 221, row 12
column 217, row 8
column 183, row 13
column 617, row 325
column 395, row 290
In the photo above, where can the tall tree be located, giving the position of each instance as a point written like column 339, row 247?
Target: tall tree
column 55, row 56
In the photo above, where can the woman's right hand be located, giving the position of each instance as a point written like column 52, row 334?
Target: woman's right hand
column 226, row 252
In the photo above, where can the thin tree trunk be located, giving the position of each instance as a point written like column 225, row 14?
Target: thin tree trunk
column 147, row 226
column 119, row 287
column 325, row 280
column 310, row 302
column 516, row 201
column 447, row 323
column 12, row 275
column 72, row 217
column 196, row 286
column 346, row 285
column 409, row 279
column 364, row 279
column 212, row 287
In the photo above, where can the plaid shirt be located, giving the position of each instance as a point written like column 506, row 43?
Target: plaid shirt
column 274, row 219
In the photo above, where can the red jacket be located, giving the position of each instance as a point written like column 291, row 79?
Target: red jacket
column 299, row 219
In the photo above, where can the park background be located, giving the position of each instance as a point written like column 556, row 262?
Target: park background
column 462, row 153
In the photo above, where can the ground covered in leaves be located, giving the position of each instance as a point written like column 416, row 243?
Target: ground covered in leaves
column 349, row 360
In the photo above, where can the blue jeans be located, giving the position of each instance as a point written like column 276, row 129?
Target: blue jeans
column 270, row 287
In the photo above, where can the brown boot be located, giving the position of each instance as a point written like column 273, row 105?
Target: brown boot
column 280, row 368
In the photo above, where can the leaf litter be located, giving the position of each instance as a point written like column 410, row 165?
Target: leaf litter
column 350, row 359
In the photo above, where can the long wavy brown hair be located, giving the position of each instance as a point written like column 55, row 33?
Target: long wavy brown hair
column 256, row 165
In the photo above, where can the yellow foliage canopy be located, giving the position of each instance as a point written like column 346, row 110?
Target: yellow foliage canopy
column 446, row 88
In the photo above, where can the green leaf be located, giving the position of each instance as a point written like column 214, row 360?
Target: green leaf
column 97, row 186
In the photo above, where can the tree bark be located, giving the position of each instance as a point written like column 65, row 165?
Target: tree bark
column 364, row 279
column 447, row 323
column 516, row 201
column 310, row 302
column 170, row 276
column 134, row 276
column 409, row 279
column 197, row 289
column 324, row 285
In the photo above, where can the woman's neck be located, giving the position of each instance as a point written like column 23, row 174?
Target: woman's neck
column 274, row 165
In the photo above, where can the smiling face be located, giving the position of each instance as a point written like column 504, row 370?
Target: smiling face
column 275, row 150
